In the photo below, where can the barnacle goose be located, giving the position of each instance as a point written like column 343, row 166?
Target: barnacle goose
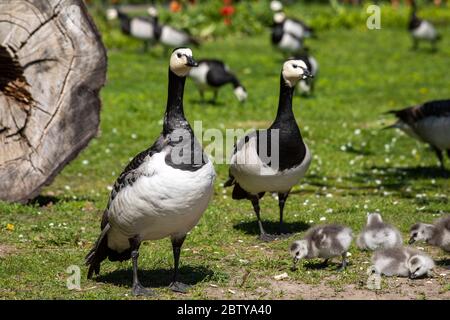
column 402, row 262
column 162, row 192
column 212, row 74
column 272, row 160
column 286, row 41
column 428, row 122
column 421, row 30
column 306, row 86
column 143, row 28
column 436, row 234
column 326, row 241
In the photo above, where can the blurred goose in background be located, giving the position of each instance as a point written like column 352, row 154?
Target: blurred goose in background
column 306, row 86
column 272, row 160
column 293, row 26
column 422, row 30
column 212, row 74
column 428, row 122
column 142, row 28
column 436, row 234
column 286, row 42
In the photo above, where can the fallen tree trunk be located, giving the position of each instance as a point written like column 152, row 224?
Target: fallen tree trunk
column 52, row 67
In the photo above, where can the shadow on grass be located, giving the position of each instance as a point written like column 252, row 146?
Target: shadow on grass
column 158, row 277
column 445, row 263
column 271, row 227
column 43, row 201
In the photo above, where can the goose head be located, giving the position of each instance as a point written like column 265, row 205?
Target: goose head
column 293, row 71
column 152, row 11
column 420, row 232
column 240, row 93
column 181, row 61
column 279, row 17
column 419, row 266
column 112, row 14
column 298, row 250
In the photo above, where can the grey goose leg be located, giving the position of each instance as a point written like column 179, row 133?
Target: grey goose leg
column 282, row 197
column 177, row 286
column 344, row 262
column 262, row 233
column 138, row 289
column 440, row 156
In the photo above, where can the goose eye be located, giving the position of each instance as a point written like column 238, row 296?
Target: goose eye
column 294, row 66
column 179, row 55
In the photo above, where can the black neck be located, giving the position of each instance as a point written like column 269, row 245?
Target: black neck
column 234, row 81
column 285, row 102
column 174, row 117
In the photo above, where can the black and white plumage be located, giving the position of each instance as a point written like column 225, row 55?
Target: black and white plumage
column 436, row 234
column 142, row 28
column 429, row 123
column 422, row 30
column 402, row 262
column 378, row 235
column 275, row 159
column 326, row 241
column 306, row 86
column 285, row 40
column 212, row 74
column 162, row 192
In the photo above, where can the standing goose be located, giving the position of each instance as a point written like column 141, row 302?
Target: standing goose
column 212, row 74
column 251, row 173
column 421, row 30
column 162, row 192
column 294, row 26
column 142, row 28
column 428, row 122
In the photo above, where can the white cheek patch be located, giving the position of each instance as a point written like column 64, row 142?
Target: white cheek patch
column 240, row 94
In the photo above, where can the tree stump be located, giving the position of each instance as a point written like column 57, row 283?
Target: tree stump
column 52, row 67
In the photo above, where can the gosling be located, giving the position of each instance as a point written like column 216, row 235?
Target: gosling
column 378, row 235
column 326, row 241
column 437, row 234
column 402, row 262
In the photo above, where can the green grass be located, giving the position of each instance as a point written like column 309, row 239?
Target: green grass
column 356, row 169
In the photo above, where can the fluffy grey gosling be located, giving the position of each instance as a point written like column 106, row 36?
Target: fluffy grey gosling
column 437, row 234
column 402, row 262
column 378, row 235
column 326, row 241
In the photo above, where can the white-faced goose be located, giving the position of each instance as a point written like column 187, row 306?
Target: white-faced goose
column 275, row 159
column 212, row 74
column 428, row 122
column 162, row 192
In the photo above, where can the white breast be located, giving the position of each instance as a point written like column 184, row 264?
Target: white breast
column 141, row 29
column 435, row 130
column 294, row 28
column 173, row 37
column 164, row 202
column 425, row 31
column 254, row 176
column 289, row 43
column 199, row 74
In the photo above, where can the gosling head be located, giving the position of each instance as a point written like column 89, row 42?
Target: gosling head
column 293, row 71
column 112, row 14
column 240, row 93
column 181, row 61
column 374, row 218
column 298, row 250
column 420, row 232
column 419, row 266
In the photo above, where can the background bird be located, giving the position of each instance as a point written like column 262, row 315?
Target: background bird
column 212, row 74
column 252, row 172
column 306, row 86
column 422, row 30
column 429, row 123
column 162, row 192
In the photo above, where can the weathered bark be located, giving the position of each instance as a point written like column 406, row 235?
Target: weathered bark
column 52, row 67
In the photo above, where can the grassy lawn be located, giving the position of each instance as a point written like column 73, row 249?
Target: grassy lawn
column 357, row 168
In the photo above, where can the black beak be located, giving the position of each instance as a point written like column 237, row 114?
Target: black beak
column 307, row 74
column 191, row 62
column 411, row 240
